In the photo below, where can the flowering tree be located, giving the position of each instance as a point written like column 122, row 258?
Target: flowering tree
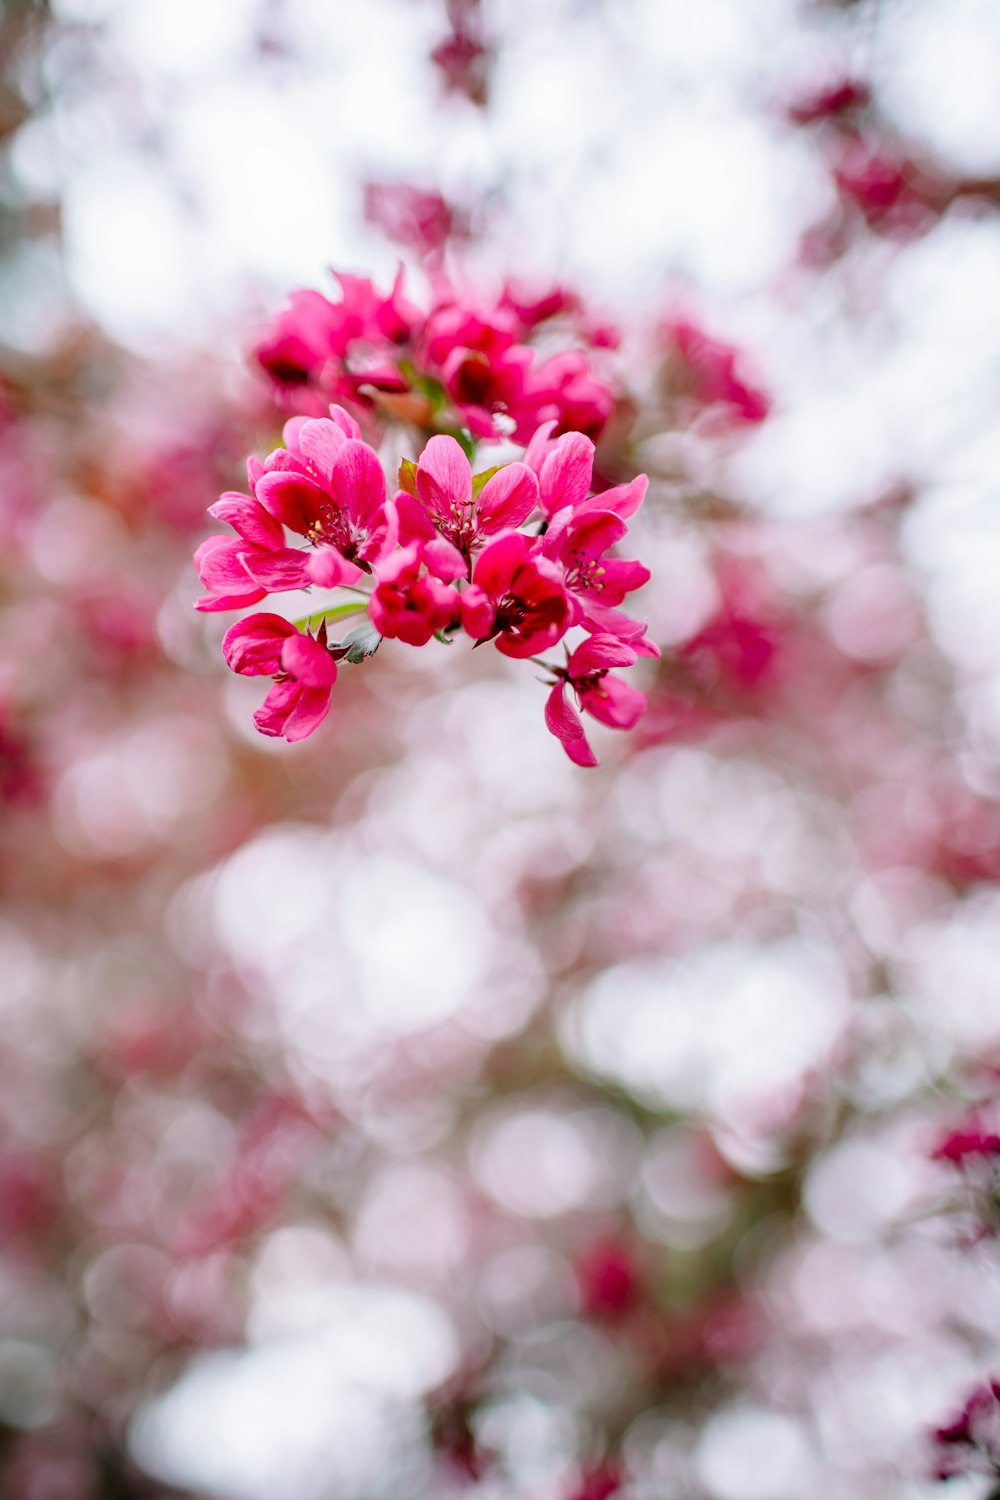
column 419, row 1110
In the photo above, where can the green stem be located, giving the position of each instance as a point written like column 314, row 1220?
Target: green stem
column 335, row 612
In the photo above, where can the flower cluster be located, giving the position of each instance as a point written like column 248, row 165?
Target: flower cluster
column 519, row 555
column 970, row 1442
column 468, row 361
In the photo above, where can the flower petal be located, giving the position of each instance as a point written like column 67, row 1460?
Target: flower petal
column 253, row 646
column 249, row 518
column 321, row 441
column 308, row 662
column 276, row 571
column 564, row 722
column 444, row 476
column 508, row 498
column 292, row 498
column 357, row 481
column 329, row 568
column 567, row 472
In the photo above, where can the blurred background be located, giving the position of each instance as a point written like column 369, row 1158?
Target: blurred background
column 407, row 1113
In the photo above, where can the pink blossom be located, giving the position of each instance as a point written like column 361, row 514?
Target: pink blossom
column 448, row 505
column 566, row 388
column 419, row 220
column 565, row 468
column 303, row 670
column 711, row 371
column 410, row 603
column 328, row 486
column 579, row 542
column 516, row 597
column 599, row 693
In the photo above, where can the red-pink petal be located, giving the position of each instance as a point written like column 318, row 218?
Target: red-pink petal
column 358, row 482
column 292, row 498
column 477, row 612
column 321, row 440
column 508, row 498
column 623, row 499
column 310, row 710
column 599, row 652
column 249, row 518
column 253, row 646
column 566, row 472
column 444, row 476
column 563, row 721
column 273, row 714
column 276, row 571
column 329, row 569
column 614, row 702
column 499, row 560
column 444, row 560
column 308, row 661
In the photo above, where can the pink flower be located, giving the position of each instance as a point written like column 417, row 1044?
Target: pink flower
column 565, row 468
column 328, row 486
column 578, row 541
column 219, row 559
column 447, row 505
column 712, row 374
column 410, row 604
column 566, row 388
column 421, row 221
column 971, row 1141
column 303, row 670
column 599, row 693
column 516, row 597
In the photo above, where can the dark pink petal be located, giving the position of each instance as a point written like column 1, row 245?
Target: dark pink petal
column 357, row 482
column 499, row 560
column 383, row 534
column 539, row 446
column 562, row 721
column 600, row 619
column 290, row 433
column 508, row 498
column 309, row 711
column 308, row 661
column 328, row 568
column 566, row 472
column 623, row 499
column 477, row 612
column 249, row 518
column 614, row 701
column 444, row 476
column 274, row 712
column 600, row 652
column 276, row 571
column 292, row 498
column 222, row 573
column 321, row 441
column 591, row 537
column 253, row 646
column 444, row 560
column 617, row 577
column 414, row 523
column 345, row 422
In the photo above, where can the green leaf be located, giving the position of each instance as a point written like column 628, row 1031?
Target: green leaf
column 407, row 477
column 479, row 480
column 335, row 612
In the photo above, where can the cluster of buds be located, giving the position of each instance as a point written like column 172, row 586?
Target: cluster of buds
column 461, row 363
column 519, row 555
